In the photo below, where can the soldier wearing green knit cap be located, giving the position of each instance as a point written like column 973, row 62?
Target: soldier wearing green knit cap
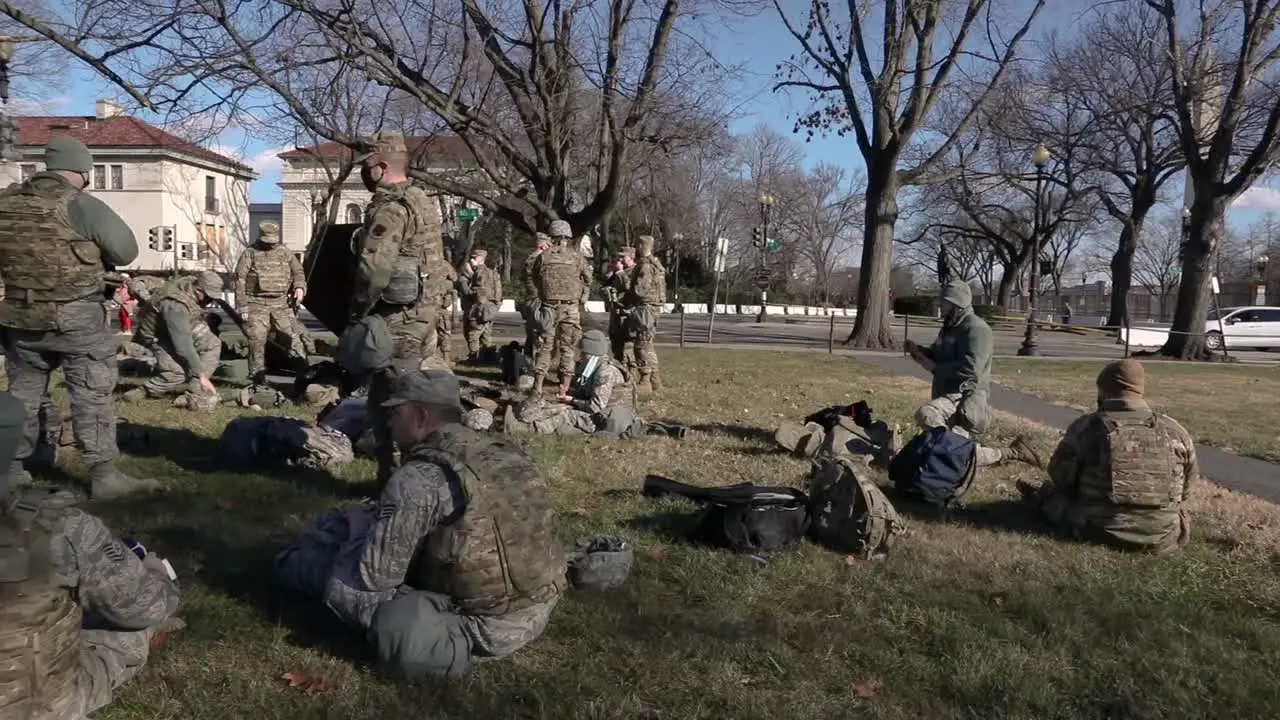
column 57, row 242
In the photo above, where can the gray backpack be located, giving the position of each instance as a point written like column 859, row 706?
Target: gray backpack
column 849, row 513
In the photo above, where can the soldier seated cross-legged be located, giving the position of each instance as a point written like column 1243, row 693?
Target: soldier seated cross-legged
column 425, row 572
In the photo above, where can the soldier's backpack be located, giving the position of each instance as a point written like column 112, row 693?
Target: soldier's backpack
column 848, row 512
column 743, row 517
column 936, row 466
column 259, row 441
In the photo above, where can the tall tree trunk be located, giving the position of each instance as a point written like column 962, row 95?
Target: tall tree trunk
column 1122, row 260
column 1207, row 226
column 1008, row 276
column 871, row 329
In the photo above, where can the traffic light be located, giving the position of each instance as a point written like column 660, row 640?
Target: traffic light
column 154, row 242
column 166, row 239
column 1046, row 267
column 757, row 237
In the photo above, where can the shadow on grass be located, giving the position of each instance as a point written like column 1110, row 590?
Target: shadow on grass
column 668, row 524
column 201, row 454
column 741, row 432
column 1004, row 515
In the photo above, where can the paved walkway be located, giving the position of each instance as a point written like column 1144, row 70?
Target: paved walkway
column 1234, row 472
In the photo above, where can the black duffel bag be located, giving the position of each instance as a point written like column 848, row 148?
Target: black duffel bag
column 743, row 517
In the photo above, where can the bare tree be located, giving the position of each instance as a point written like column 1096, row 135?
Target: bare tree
column 885, row 107
column 1122, row 78
column 1228, row 112
column 1155, row 263
column 822, row 219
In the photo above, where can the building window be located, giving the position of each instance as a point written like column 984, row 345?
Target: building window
column 210, row 194
column 354, row 214
column 99, row 177
column 117, row 177
column 27, row 172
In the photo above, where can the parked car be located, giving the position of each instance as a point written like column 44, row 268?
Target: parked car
column 1255, row 327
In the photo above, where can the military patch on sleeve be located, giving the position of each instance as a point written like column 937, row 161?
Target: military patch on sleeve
column 114, row 551
column 386, row 511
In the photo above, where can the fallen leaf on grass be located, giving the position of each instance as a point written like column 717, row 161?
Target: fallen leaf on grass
column 852, row 560
column 657, row 555
column 225, row 504
column 866, row 688
column 308, row 683
column 580, row 512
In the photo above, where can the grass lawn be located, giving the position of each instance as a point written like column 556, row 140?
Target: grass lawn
column 1232, row 407
column 981, row 616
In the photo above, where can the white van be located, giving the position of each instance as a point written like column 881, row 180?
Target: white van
column 1255, row 327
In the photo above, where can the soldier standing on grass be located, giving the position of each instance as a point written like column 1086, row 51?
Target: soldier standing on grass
column 79, row 610
column 398, row 243
column 529, row 305
column 481, row 288
column 645, row 297
column 562, row 276
column 616, row 283
column 56, row 244
column 267, row 276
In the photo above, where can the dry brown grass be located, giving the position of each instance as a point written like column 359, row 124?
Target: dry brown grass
column 981, row 614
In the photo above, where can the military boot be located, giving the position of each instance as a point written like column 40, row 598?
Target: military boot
column 135, row 395
column 108, row 483
column 511, row 425
column 672, row 431
column 1021, row 451
column 537, row 384
column 655, row 381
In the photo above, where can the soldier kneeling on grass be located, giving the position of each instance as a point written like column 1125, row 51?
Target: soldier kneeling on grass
column 600, row 401
column 172, row 325
column 1120, row 475
column 425, row 572
column 79, row 610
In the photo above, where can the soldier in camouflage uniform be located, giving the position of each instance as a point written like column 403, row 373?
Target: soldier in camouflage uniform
column 430, row 603
column 172, row 325
column 440, row 283
column 399, row 243
column 529, row 304
column 78, row 623
column 1121, row 475
column 268, row 276
column 644, row 300
column 56, row 244
column 561, row 276
column 481, row 290
column 616, row 283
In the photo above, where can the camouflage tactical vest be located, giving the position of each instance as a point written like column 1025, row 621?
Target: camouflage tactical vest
column 39, row 622
column 501, row 554
column 178, row 291
column 1142, row 470
column 270, row 272
column 418, row 247
column 487, row 284
column 42, row 259
column 648, row 282
column 559, row 275
column 144, row 287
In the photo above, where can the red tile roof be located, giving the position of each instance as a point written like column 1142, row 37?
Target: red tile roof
column 114, row 132
column 448, row 147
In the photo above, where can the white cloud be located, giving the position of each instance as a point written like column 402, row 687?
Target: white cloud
column 1262, row 199
column 47, row 106
column 266, row 162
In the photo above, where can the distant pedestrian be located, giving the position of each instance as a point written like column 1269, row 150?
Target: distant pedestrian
column 1066, row 313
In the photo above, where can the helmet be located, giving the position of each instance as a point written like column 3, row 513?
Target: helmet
column 478, row 419
column 268, row 232
column 210, row 282
column 561, row 230
column 594, row 342
column 600, row 562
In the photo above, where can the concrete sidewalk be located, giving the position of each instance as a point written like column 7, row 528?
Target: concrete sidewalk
column 1234, row 472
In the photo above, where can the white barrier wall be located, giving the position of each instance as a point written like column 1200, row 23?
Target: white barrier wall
column 1144, row 337
column 597, row 306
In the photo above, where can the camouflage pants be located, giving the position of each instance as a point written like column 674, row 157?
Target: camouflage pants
column 170, row 377
column 260, row 321
column 644, row 321
column 476, row 329
column 444, row 327
column 530, row 329
column 109, row 659
column 550, row 418
column 414, row 333
column 85, row 350
column 941, row 412
column 564, row 343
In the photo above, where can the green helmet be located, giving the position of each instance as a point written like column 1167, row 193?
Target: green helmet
column 67, row 153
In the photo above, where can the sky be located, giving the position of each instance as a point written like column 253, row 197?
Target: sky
column 759, row 43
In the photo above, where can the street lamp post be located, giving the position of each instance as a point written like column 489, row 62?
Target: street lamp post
column 1260, row 292
column 8, row 152
column 766, row 208
column 1040, row 158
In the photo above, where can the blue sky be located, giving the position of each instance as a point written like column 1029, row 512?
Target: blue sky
column 759, row 43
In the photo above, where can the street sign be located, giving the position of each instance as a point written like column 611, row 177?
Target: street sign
column 722, row 253
column 762, row 280
column 466, row 213
column 772, row 244
column 1216, row 289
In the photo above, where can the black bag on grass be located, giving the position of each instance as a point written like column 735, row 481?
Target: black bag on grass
column 744, row 517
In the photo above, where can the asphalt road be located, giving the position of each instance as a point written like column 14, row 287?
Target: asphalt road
column 781, row 331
